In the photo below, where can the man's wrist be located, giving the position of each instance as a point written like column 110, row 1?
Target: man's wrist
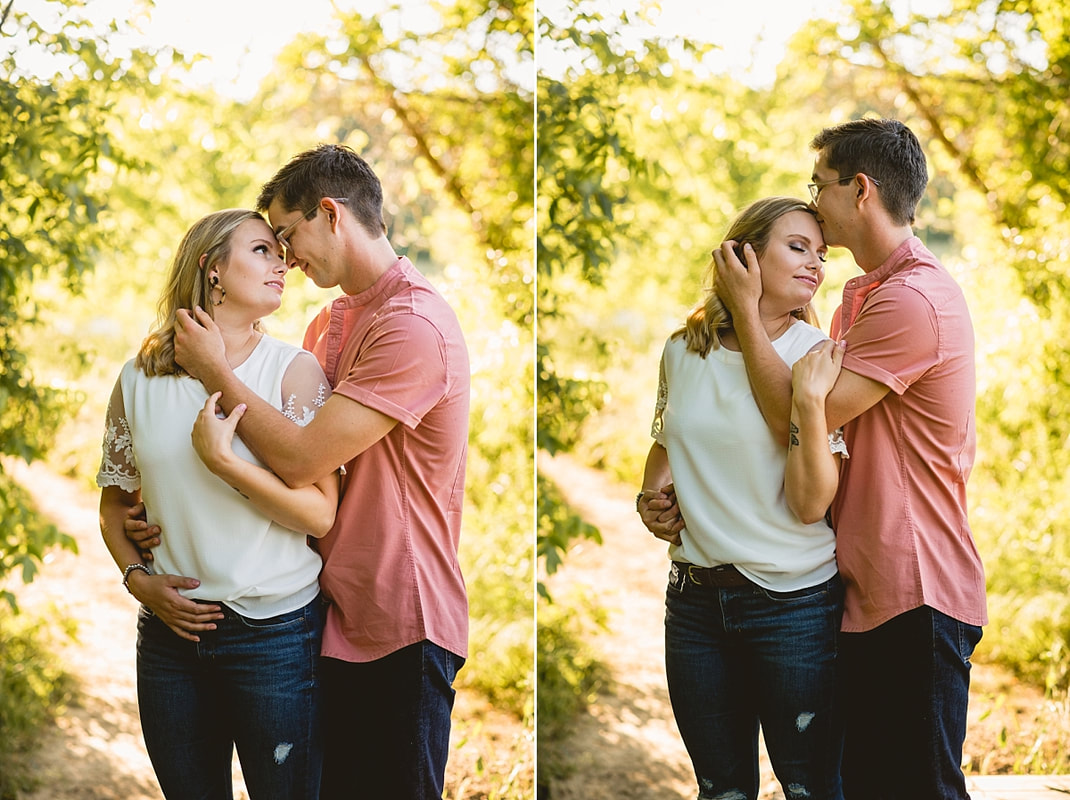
column 216, row 376
column 748, row 321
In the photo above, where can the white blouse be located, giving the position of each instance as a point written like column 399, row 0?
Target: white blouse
column 209, row 531
column 728, row 469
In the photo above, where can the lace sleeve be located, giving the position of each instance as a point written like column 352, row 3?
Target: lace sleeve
column 837, row 445
column 304, row 389
column 117, row 465
column 657, row 427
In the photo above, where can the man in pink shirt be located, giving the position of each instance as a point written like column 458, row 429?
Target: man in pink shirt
column 397, row 421
column 915, row 600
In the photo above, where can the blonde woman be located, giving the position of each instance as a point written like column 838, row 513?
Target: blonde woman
column 230, row 625
column 754, row 599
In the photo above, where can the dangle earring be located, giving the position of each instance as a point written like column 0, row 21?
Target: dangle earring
column 222, row 292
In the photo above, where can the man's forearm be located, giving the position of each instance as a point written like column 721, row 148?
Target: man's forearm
column 769, row 376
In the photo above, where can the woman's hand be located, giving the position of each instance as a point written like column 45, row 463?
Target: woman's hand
column 182, row 615
column 213, row 436
column 814, row 375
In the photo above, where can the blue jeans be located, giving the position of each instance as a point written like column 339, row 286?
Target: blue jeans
column 387, row 724
column 736, row 657
column 906, row 688
column 251, row 683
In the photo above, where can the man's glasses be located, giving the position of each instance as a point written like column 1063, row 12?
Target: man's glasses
column 284, row 234
column 815, row 188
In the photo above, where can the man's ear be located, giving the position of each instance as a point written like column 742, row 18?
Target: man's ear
column 330, row 205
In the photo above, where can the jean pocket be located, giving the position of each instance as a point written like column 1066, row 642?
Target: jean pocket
column 294, row 620
column 819, row 593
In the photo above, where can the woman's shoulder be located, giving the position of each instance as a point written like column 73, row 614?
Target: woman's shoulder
column 276, row 350
column 804, row 331
column 798, row 340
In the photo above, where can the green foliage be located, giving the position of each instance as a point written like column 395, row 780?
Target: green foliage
column 569, row 674
column 559, row 526
column 589, row 167
column 33, row 691
column 24, row 537
column 496, row 544
column 56, row 137
column 500, row 650
column 564, row 403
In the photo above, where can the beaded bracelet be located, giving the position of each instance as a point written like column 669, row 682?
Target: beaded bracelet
column 130, row 568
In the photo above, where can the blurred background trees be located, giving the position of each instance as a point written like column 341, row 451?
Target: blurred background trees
column 110, row 152
column 645, row 155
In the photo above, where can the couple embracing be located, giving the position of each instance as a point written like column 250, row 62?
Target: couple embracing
column 846, row 636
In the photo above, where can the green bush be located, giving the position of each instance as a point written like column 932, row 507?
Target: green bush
column 24, row 537
column 570, row 673
column 558, row 525
column 34, row 689
column 502, row 650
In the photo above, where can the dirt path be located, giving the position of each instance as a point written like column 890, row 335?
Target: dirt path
column 95, row 751
column 628, row 745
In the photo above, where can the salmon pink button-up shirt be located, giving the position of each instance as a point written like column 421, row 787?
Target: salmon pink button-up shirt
column 390, row 566
column 902, row 535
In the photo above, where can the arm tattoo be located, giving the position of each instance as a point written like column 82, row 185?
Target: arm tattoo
column 793, row 435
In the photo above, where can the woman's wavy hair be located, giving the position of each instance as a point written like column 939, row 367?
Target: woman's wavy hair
column 754, row 224
column 187, row 285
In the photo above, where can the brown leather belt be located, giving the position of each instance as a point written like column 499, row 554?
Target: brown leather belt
column 721, row 576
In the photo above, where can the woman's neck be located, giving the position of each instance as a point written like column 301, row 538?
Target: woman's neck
column 239, row 339
column 775, row 327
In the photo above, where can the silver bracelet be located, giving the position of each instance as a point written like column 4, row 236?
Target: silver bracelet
column 130, row 568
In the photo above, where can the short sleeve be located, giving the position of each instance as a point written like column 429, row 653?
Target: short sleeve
column 402, row 370
column 304, row 389
column 837, row 445
column 894, row 340
column 657, row 427
column 117, row 464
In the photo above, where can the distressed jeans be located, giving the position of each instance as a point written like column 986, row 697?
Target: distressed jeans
column 251, row 684
column 906, row 689
column 741, row 657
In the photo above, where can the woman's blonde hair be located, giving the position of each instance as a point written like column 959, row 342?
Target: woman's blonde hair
column 187, row 285
column 754, row 224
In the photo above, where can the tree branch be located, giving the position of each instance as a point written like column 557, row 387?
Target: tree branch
column 965, row 161
column 418, row 134
column 7, row 11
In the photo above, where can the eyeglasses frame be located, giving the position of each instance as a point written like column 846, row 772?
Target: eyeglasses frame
column 282, row 235
column 815, row 188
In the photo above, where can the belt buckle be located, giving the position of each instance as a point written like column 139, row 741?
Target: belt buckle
column 691, row 568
